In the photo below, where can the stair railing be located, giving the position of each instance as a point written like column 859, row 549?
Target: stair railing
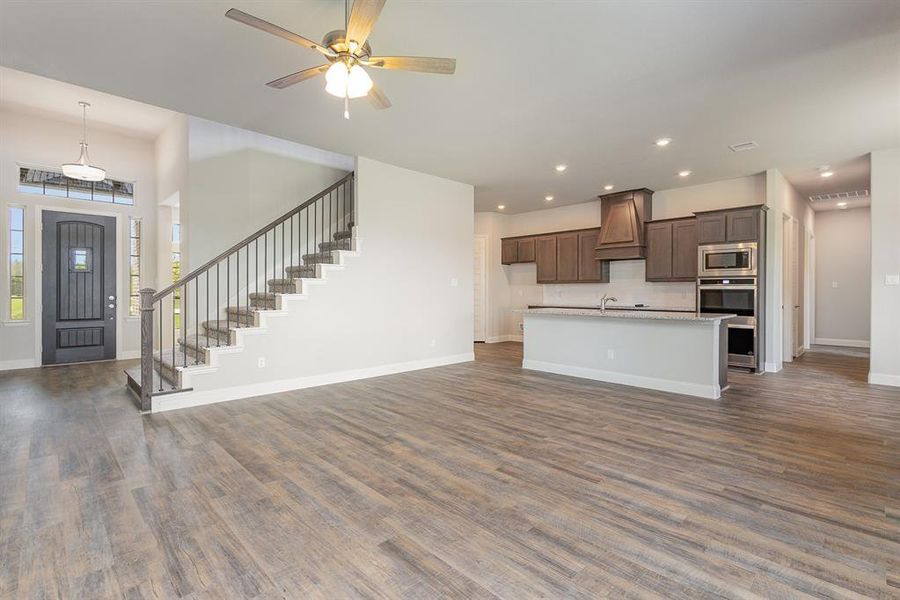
column 231, row 280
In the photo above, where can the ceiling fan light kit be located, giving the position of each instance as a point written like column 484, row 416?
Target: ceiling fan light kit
column 348, row 51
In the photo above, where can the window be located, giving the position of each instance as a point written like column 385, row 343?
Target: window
column 134, row 266
column 176, row 271
column 16, row 263
column 54, row 183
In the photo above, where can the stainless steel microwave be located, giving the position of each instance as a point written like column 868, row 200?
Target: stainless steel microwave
column 727, row 260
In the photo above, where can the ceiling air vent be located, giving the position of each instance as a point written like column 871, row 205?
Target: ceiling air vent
column 855, row 195
column 744, row 146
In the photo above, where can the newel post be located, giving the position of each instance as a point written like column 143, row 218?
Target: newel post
column 146, row 347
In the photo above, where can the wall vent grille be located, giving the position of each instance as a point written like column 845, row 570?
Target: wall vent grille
column 743, row 146
column 854, row 195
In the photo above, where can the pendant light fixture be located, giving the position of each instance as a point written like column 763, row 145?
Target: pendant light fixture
column 83, row 169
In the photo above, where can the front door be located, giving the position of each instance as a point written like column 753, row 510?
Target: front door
column 79, row 287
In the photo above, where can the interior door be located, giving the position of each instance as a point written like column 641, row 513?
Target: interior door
column 79, row 288
column 480, row 288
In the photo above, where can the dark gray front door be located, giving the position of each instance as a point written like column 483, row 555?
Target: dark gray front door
column 79, row 287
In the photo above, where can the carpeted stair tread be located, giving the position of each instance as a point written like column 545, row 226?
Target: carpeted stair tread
column 343, row 235
column 301, row 270
column 318, row 258
column 199, row 342
column 341, row 244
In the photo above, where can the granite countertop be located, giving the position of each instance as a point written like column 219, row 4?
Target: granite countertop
column 652, row 315
column 610, row 307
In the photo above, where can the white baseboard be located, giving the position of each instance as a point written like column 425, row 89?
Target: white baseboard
column 711, row 391
column 884, row 379
column 504, row 338
column 840, row 342
column 201, row 397
column 24, row 363
column 128, row 354
column 772, row 367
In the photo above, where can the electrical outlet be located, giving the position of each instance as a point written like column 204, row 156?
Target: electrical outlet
column 834, row 284
column 433, row 343
column 454, row 282
column 892, row 280
column 261, row 362
column 611, row 354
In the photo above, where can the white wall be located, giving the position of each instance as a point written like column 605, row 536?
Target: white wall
column 404, row 302
column 884, row 357
column 32, row 140
column 843, row 277
column 239, row 181
column 516, row 286
column 171, row 186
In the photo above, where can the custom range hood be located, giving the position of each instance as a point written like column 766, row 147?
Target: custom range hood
column 622, row 218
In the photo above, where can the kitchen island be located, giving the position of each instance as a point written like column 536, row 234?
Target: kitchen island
column 679, row 352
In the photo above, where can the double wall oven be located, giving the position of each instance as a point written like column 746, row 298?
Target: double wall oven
column 727, row 284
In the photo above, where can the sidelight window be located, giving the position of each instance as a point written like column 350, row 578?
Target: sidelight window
column 134, row 266
column 16, row 263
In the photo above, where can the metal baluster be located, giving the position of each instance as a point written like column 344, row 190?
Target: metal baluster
column 184, row 323
column 237, row 284
column 218, row 305
column 291, row 245
column 228, row 296
column 174, row 333
column 256, row 265
column 197, row 320
column 247, row 276
column 161, row 317
column 207, row 305
column 266, row 256
column 282, row 250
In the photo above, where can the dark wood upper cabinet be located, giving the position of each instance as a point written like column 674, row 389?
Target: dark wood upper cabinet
column 526, row 250
column 567, row 257
column 545, row 256
column 731, row 225
column 742, row 225
column 659, row 251
column 589, row 268
column 509, row 251
column 684, row 249
column 672, row 250
column 711, row 228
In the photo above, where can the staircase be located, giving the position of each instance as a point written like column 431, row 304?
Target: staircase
column 185, row 327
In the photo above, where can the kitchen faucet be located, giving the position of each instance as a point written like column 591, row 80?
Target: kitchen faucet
column 606, row 298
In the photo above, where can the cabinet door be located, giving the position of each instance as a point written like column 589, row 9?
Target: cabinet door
column 684, row 249
column 509, row 251
column 711, row 229
column 659, row 251
column 742, row 225
column 567, row 257
column 589, row 268
column 545, row 256
column 526, row 250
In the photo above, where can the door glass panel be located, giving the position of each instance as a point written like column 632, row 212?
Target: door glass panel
column 80, row 260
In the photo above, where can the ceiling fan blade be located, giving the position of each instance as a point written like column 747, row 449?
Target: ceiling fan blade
column 423, row 64
column 242, row 17
column 289, row 80
column 377, row 98
column 362, row 18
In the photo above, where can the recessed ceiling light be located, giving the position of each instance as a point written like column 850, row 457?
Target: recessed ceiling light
column 608, row 187
column 826, row 173
column 500, row 206
column 548, row 198
column 661, row 142
column 561, row 168
column 683, row 173
column 842, row 205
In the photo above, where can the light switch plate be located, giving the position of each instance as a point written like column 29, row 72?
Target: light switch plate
column 892, row 280
column 834, row 284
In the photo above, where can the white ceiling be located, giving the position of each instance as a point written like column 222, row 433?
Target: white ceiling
column 589, row 84
column 849, row 176
column 31, row 94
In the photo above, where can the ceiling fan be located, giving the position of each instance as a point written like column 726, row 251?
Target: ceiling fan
column 348, row 51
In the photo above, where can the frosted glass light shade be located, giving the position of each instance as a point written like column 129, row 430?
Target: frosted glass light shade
column 83, row 169
column 343, row 82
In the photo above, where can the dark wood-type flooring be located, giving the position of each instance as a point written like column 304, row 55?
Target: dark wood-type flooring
column 477, row 480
